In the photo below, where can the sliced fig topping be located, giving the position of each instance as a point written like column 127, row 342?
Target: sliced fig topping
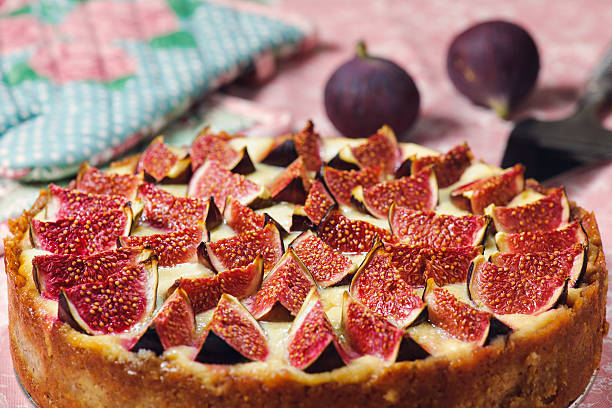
column 342, row 182
column 52, row 272
column 175, row 322
column 308, row 147
column 114, row 306
column 75, row 236
column 310, row 333
column 160, row 160
column 282, row 152
column 64, row 203
column 164, row 211
column 326, row 265
column 210, row 180
column 498, row 190
column 366, row 333
column 318, row 202
column 506, row 290
column 571, row 262
column 380, row 149
column 437, row 230
column 379, row 286
column 292, row 185
column 204, row 293
column 416, row 264
column 448, row 168
column 288, row 283
column 233, row 323
column 548, row 213
column 211, row 146
column 350, row 236
column 542, row 241
column 242, row 249
column 241, row 218
column 172, row 248
column 418, row 192
column 455, row 317
column 92, row 180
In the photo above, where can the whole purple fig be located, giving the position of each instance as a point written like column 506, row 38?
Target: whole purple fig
column 494, row 64
column 367, row 92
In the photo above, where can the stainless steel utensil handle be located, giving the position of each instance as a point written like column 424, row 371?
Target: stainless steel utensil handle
column 599, row 86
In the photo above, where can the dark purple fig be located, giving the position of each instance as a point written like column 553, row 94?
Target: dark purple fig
column 368, row 92
column 494, row 64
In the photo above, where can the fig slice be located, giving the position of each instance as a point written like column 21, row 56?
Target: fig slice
column 379, row 286
column 56, row 271
column 364, row 332
column 548, row 213
column 380, row 149
column 417, row 263
column 326, row 265
column 211, row 146
column 341, row 183
column 282, row 152
column 288, row 283
column 92, row 180
column 167, row 212
column 498, row 190
column 448, row 167
column 571, row 262
column 233, row 323
column 308, row 146
column 310, row 334
column 291, row 185
column 74, row 236
column 175, row 323
column 243, row 219
column 318, row 202
column 437, row 230
column 542, row 241
column 417, row 192
column 65, row 203
column 240, row 282
column 172, row 248
column 242, row 249
column 457, row 318
column 507, row 290
column 350, row 236
column 121, row 304
column 160, row 161
column 210, row 180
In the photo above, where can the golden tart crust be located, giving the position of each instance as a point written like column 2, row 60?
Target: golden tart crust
column 548, row 367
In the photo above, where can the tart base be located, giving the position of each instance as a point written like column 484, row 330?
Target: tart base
column 549, row 367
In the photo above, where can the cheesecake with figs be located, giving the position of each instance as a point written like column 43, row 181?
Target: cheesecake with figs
column 305, row 271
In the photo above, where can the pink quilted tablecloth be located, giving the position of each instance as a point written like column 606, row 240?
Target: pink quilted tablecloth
column 571, row 37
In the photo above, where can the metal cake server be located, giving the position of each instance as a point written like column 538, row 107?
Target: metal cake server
column 550, row 148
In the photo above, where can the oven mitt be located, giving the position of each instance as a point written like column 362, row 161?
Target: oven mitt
column 87, row 80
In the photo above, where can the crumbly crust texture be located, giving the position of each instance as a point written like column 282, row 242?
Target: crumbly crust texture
column 549, row 367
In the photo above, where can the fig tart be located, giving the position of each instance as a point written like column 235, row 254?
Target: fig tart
column 304, row 272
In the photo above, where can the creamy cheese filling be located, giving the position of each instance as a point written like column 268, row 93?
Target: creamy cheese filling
column 440, row 343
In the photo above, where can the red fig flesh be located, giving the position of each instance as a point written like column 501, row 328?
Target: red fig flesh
column 542, row 241
column 308, row 146
column 160, row 160
column 449, row 167
column 310, row 333
column 92, row 180
column 64, row 203
column 350, row 236
column 498, row 190
column 318, row 202
column 437, row 230
column 292, row 185
column 548, row 213
column 326, row 265
column 380, row 149
column 341, row 183
column 237, row 327
column 175, row 322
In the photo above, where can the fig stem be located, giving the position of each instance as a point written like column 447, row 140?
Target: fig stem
column 362, row 50
column 501, row 108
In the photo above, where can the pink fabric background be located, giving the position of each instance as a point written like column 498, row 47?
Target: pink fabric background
column 571, row 37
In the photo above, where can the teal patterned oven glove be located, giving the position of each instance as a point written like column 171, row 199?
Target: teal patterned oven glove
column 87, row 80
